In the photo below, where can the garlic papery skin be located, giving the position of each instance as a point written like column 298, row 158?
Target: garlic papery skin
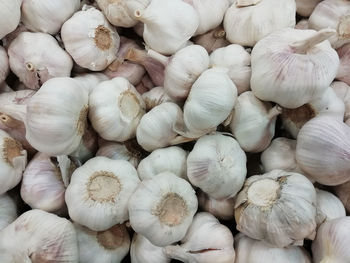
column 47, row 17
column 107, row 246
column 170, row 159
column 37, row 57
column 169, row 24
column 143, row 251
column 155, row 97
column 323, row 150
column 237, row 60
column 206, row 241
column 263, row 208
column 344, row 67
column 4, row 64
column 162, row 208
column 332, row 14
column 217, row 165
column 306, row 7
column 330, row 244
column 90, row 80
column 343, row 193
column 221, row 209
column 98, row 193
column 328, row 207
column 115, row 109
column 10, row 13
column 246, row 22
column 255, row 251
column 131, row 71
column 56, row 116
column 286, row 66
column 44, row 237
column 8, row 210
column 212, row 40
column 90, row 39
column 13, row 160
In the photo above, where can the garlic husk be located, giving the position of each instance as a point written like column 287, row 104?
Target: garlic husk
column 343, row 193
column 332, row 14
column 278, row 208
column 344, row 67
column 154, row 97
column 323, row 150
column 246, row 23
column 330, row 244
column 221, row 209
column 44, row 237
column 37, row 57
column 107, row 246
column 302, row 24
column 115, row 109
column 162, row 208
column 10, row 13
column 237, row 60
column 4, row 64
column 295, row 78
column 217, row 165
column 131, row 71
column 254, row 251
column 169, row 24
column 206, row 241
column 212, row 40
column 90, row 80
column 90, row 39
column 170, row 159
column 47, row 17
column 145, row 85
column 328, row 207
column 8, row 211
column 98, row 193
column 306, row 7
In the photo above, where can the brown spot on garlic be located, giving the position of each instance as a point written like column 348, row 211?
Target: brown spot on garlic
column 113, row 237
column 81, row 124
column 129, row 104
column 344, row 27
column 300, row 115
column 11, row 150
column 103, row 186
column 103, row 38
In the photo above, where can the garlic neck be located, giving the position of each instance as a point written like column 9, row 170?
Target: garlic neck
column 245, row 3
column 159, row 57
column 344, row 27
column 275, row 111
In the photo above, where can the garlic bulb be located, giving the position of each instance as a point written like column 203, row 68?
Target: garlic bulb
column 248, row 21
column 237, row 60
column 344, row 57
column 206, row 241
column 8, row 211
column 47, row 17
column 323, row 150
column 221, row 209
column 169, row 24
column 4, row 64
column 278, row 208
column 162, row 208
column 10, row 14
column 330, row 244
column 253, row 123
column 332, row 14
column 90, row 39
column 212, row 40
column 37, row 57
column 99, row 191
column 254, row 251
column 88, row 146
column 115, row 109
column 13, row 160
column 107, row 246
column 44, row 237
column 328, row 207
column 131, row 71
column 286, row 66
column 90, row 80
column 143, row 251
column 306, row 7
column 217, row 165
column 169, row 159
column 155, row 97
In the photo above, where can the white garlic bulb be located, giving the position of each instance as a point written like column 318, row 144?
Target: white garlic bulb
column 291, row 67
column 306, row 7
column 323, row 150
column 169, row 24
column 8, row 210
column 169, row 159
column 254, row 251
column 330, row 244
column 47, row 16
column 344, row 57
column 90, row 80
column 221, row 209
column 248, row 21
column 332, row 14
column 217, row 165
column 206, row 241
column 162, row 208
column 143, row 251
column 4, row 64
column 37, row 57
column 131, row 71
column 115, row 109
column 90, row 39
column 10, row 14
column 278, row 208
column 154, row 97
column 107, row 246
column 98, row 193
column 44, row 237
column 212, row 40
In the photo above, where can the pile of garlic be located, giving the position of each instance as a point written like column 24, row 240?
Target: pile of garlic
column 199, row 131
